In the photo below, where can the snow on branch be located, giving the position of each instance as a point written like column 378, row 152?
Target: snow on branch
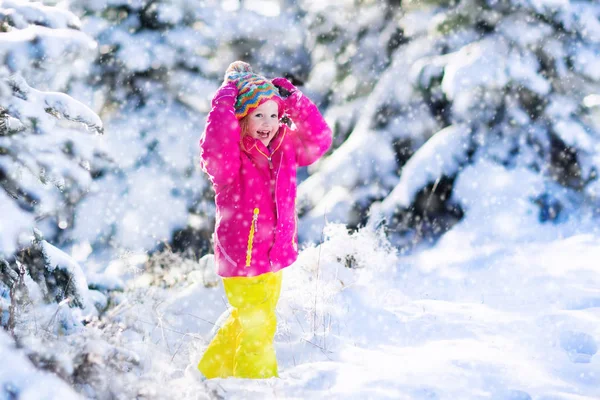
column 442, row 155
column 20, row 14
column 19, row 45
column 44, row 44
column 57, row 260
column 32, row 106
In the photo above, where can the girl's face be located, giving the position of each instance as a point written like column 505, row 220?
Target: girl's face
column 262, row 123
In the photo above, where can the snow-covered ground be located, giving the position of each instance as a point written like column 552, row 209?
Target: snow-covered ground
column 486, row 317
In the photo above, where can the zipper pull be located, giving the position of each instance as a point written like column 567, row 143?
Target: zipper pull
column 270, row 163
column 255, row 219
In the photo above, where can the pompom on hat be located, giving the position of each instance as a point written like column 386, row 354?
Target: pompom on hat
column 253, row 89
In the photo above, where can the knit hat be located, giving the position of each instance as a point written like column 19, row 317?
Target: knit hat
column 253, row 89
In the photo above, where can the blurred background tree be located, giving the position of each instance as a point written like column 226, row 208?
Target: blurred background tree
column 45, row 154
column 471, row 85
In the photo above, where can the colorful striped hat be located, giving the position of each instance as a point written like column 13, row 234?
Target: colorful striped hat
column 253, row 89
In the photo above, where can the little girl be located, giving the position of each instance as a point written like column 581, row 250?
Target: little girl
column 251, row 159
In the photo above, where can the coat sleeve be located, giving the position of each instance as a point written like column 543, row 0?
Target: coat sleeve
column 313, row 136
column 220, row 143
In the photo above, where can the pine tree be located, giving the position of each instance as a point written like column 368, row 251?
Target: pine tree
column 45, row 160
column 476, row 87
column 44, row 157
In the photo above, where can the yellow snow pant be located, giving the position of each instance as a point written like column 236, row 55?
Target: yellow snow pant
column 243, row 346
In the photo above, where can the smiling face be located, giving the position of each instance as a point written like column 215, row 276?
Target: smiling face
column 262, row 123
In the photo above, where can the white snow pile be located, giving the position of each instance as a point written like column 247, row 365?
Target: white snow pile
column 21, row 380
column 57, row 345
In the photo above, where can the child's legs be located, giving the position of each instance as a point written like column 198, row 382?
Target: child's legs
column 217, row 360
column 255, row 299
column 255, row 355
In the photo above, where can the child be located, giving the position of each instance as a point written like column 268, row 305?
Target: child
column 251, row 158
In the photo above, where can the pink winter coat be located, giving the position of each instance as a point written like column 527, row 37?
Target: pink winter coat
column 255, row 186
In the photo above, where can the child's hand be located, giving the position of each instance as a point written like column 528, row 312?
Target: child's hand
column 286, row 91
column 284, row 86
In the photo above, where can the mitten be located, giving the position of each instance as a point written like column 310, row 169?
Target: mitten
column 285, row 87
column 293, row 99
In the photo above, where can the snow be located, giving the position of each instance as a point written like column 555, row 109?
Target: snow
column 572, row 133
column 497, row 316
column 322, row 76
column 57, row 259
column 484, row 187
column 587, row 62
column 333, row 207
column 23, row 12
column 366, row 155
column 590, row 24
column 56, row 103
column 521, row 29
column 267, row 8
column 134, row 209
column 442, row 155
column 503, row 305
column 417, row 22
column 476, row 64
column 14, row 222
column 63, row 47
column 20, row 379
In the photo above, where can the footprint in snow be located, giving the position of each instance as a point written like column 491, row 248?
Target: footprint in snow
column 579, row 346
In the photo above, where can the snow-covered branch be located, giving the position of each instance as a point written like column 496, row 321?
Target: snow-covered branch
column 53, row 103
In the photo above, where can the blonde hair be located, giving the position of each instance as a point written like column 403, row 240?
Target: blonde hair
column 244, row 126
